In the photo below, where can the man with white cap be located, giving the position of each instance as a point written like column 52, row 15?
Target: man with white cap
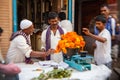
column 20, row 47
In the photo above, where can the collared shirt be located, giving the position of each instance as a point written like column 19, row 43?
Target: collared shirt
column 18, row 49
column 102, row 52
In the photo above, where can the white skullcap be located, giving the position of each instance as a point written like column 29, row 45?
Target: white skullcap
column 24, row 24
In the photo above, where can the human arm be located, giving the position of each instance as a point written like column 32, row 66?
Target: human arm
column 9, row 69
column 26, row 49
column 38, row 54
column 87, row 32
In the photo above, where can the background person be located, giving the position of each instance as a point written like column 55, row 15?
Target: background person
column 7, row 71
column 64, row 23
column 110, row 21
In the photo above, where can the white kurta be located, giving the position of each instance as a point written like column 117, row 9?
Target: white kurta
column 18, row 49
column 66, row 24
column 102, row 52
column 54, row 42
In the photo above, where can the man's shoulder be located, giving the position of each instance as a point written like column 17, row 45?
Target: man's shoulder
column 111, row 18
column 19, row 38
column 65, row 22
column 106, row 31
column 45, row 30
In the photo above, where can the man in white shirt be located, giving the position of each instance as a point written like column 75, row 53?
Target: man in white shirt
column 51, row 36
column 20, row 46
column 64, row 23
column 102, row 53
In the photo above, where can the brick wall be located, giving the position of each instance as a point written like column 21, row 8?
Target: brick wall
column 5, row 23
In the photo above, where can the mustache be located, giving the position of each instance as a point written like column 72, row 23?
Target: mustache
column 54, row 24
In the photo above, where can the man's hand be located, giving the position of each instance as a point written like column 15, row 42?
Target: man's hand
column 86, row 31
column 50, row 51
column 113, row 37
column 43, row 54
column 94, row 45
column 9, row 69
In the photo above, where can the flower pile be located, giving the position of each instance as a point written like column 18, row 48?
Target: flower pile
column 70, row 40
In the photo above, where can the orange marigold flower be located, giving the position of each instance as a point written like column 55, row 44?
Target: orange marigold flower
column 70, row 40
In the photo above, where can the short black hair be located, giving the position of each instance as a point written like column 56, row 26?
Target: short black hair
column 52, row 15
column 100, row 18
column 62, row 15
column 1, row 30
column 105, row 5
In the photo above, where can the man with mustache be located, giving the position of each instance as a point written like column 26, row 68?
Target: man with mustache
column 110, row 21
column 51, row 36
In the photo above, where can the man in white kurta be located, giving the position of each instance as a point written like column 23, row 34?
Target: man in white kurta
column 64, row 23
column 18, row 50
column 54, row 42
column 20, row 47
column 55, row 36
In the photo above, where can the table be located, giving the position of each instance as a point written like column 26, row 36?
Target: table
column 28, row 71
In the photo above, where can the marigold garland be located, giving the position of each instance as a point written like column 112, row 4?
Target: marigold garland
column 70, row 40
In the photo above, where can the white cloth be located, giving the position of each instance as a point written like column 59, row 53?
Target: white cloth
column 102, row 52
column 24, row 24
column 54, row 42
column 96, row 73
column 66, row 24
column 18, row 50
